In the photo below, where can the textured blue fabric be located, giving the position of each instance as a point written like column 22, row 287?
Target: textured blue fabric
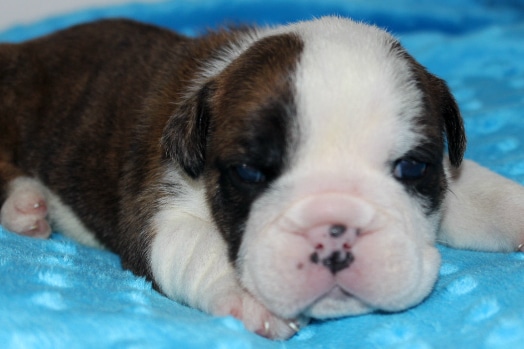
column 59, row 294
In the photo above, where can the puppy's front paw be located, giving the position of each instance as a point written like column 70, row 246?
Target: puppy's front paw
column 257, row 318
column 25, row 210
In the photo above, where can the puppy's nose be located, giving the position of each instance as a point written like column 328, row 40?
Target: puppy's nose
column 332, row 246
column 332, row 224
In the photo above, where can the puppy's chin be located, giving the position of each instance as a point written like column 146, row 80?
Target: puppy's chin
column 337, row 303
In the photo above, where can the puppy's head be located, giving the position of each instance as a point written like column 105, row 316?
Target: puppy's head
column 321, row 148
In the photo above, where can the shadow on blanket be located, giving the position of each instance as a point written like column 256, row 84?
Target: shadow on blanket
column 57, row 293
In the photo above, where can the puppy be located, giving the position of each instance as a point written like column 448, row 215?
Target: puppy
column 275, row 175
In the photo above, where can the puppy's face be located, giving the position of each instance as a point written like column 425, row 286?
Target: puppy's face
column 321, row 149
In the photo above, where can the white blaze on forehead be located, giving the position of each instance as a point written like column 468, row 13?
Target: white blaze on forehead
column 354, row 92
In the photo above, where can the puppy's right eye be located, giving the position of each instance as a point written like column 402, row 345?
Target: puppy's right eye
column 409, row 169
column 249, row 174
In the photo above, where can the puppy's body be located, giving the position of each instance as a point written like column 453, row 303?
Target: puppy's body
column 102, row 74
column 272, row 174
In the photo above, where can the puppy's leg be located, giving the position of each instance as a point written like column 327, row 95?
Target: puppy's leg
column 25, row 210
column 190, row 264
column 483, row 211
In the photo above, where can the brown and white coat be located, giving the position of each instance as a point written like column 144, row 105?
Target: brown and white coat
column 274, row 174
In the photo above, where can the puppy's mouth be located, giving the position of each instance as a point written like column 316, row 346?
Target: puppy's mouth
column 337, row 293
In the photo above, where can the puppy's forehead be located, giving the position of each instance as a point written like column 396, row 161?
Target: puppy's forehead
column 254, row 99
column 355, row 89
column 260, row 73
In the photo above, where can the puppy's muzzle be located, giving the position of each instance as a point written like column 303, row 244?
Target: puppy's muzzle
column 334, row 254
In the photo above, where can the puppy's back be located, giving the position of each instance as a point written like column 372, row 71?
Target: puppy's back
column 70, row 103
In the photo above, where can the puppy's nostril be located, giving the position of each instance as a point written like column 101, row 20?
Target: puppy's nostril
column 337, row 230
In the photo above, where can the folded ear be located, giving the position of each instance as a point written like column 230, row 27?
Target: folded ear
column 185, row 135
column 453, row 124
column 442, row 100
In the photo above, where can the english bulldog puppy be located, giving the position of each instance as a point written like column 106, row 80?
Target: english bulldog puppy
column 272, row 174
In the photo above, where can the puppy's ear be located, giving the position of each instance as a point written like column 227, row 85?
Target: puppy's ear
column 453, row 124
column 185, row 135
column 442, row 100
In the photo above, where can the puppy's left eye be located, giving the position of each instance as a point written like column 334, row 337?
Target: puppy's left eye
column 249, row 174
column 409, row 169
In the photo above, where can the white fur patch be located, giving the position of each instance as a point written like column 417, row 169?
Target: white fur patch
column 356, row 97
column 483, row 210
column 64, row 220
column 188, row 254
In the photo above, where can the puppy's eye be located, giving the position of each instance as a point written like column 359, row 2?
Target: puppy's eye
column 409, row 169
column 249, row 174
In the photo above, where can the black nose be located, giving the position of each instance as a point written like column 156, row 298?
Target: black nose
column 338, row 261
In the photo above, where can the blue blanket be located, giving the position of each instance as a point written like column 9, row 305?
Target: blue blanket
column 59, row 294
